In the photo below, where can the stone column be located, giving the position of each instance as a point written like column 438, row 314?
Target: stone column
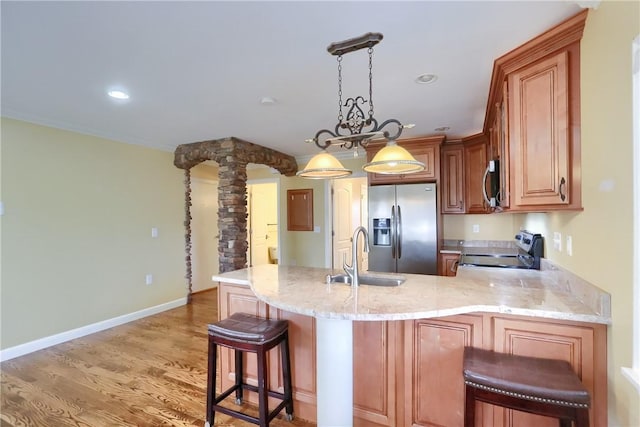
column 232, row 212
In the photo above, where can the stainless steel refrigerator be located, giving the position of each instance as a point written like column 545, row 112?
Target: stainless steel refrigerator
column 402, row 227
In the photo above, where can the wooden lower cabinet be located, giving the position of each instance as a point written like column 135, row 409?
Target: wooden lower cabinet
column 433, row 386
column 582, row 345
column 374, row 373
column 448, row 264
column 409, row 373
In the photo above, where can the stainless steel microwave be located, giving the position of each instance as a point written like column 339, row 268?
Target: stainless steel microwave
column 491, row 189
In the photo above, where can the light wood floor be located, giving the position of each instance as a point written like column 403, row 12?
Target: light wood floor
column 150, row 372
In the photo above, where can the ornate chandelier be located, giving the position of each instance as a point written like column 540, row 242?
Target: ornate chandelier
column 357, row 129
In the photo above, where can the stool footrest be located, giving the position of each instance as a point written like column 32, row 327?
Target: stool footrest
column 249, row 387
column 242, row 415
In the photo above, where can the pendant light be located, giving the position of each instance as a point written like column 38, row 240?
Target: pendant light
column 357, row 129
column 323, row 166
column 393, row 159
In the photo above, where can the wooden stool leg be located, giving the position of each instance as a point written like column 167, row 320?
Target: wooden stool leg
column 469, row 407
column 263, row 403
column 582, row 418
column 286, row 376
column 211, row 382
column 238, row 382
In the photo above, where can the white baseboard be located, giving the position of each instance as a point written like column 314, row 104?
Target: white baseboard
column 39, row 344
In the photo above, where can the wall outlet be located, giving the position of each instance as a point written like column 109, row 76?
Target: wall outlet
column 148, row 279
column 569, row 246
column 154, row 232
column 476, row 228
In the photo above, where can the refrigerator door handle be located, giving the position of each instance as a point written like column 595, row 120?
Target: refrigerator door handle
column 399, row 233
column 393, row 231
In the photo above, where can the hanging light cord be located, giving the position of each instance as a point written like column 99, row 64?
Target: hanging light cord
column 370, row 50
column 340, row 116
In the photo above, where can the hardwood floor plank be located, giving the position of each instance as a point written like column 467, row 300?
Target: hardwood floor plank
column 150, row 372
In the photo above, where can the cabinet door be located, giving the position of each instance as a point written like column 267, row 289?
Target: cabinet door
column 539, row 133
column 374, row 373
column 475, row 164
column 300, row 210
column 449, row 264
column 573, row 343
column 434, row 385
column 452, row 180
column 302, row 351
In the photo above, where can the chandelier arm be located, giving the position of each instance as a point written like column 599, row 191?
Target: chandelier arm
column 386, row 134
column 324, row 144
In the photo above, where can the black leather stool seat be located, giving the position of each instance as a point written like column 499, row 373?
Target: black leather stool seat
column 247, row 328
column 243, row 332
column 536, row 385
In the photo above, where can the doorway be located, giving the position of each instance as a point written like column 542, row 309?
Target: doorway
column 205, row 235
column 262, row 223
column 349, row 210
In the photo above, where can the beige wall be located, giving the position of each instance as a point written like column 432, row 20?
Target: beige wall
column 602, row 233
column 502, row 226
column 303, row 248
column 76, row 240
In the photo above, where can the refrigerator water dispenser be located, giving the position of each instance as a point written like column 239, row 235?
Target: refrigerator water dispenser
column 382, row 231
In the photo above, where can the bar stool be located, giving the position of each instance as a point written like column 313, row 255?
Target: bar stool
column 538, row 386
column 247, row 333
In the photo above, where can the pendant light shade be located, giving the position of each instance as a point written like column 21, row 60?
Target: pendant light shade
column 324, row 166
column 392, row 159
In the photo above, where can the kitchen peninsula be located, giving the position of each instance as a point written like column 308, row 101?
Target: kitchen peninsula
column 408, row 340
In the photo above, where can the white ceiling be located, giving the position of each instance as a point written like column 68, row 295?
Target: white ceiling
column 198, row 70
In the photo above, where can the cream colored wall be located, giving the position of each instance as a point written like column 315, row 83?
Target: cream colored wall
column 76, row 241
column 602, row 233
column 303, row 248
column 501, row 226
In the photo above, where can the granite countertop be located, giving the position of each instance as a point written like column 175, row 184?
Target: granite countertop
column 549, row 293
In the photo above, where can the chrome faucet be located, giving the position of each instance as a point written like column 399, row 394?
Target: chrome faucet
column 352, row 270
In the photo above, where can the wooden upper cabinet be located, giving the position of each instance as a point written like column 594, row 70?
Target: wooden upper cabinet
column 536, row 88
column 300, row 210
column 539, row 125
column 452, row 164
column 425, row 150
column 475, row 164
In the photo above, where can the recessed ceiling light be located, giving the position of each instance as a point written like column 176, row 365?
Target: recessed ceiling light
column 426, row 78
column 118, row 94
column 442, row 129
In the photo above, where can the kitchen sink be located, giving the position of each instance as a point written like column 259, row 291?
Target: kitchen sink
column 368, row 279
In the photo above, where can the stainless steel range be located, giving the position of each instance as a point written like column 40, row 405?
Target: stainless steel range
column 530, row 248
